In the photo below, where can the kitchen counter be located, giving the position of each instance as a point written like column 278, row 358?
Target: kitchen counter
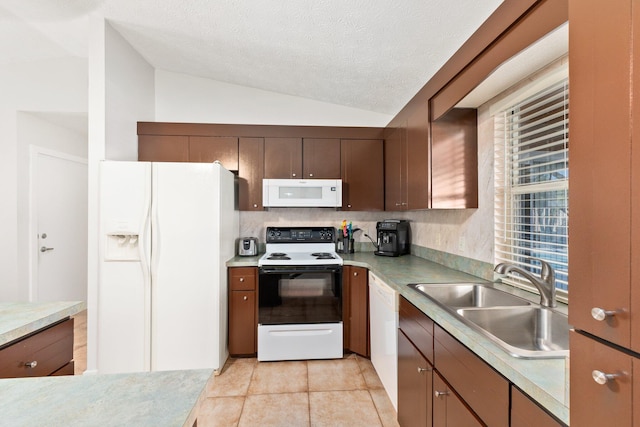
column 545, row 380
column 18, row 319
column 154, row 399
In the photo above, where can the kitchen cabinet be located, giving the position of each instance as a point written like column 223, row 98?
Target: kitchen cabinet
column 362, row 163
column 163, row 148
column 282, row 158
column 526, row 413
column 250, row 173
column 207, row 149
column 321, row 158
column 454, row 160
column 243, row 310
column 407, row 164
column 607, row 404
column 355, row 309
column 449, row 409
column 48, row 351
column 415, row 385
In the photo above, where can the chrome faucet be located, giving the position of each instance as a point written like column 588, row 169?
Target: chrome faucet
column 546, row 283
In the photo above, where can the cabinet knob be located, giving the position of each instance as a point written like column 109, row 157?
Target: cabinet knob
column 421, row 370
column 441, row 393
column 245, row 297
column 348, row 206
column 601, row 314
column 32, row 364
column 355, row 273
column 293, row 175
column 603, row 378
column 404, row 203
column 241, row 279
column 398, row 204
column 311, row 175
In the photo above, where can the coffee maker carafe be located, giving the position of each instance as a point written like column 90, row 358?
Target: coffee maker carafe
column 394, row 237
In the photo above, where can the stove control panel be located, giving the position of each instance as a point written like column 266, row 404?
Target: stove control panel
column 300, row 234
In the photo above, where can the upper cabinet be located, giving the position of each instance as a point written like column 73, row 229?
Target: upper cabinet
column 250, row 173
column 206, row 149
column 321, row 158
column 163, row 148
column 362, row 174
column 283, row 158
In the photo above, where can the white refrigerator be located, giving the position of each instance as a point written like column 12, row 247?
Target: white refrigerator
column 166, row 231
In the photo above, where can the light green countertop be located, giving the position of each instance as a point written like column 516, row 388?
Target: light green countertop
column 18, row 319
column 153, row 399
column 545, row 380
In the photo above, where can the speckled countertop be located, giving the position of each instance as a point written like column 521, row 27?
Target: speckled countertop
column 153, row 399
column 545, row 380
column 18, row 319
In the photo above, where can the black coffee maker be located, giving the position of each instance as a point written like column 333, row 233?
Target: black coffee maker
column 394, row 237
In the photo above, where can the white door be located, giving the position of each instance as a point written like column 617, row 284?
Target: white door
column 60, row 204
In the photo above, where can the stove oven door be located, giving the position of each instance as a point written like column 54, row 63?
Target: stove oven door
column 300, row 313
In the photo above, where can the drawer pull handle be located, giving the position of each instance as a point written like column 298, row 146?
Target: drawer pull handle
column 441, row 393
column 31, row 364
column 421, row 370
column 241, row 279
column 602, row 378
column 601, row 314
column 245, row 297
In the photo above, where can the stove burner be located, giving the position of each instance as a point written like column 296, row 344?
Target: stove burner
column 323, row 255
column 278, row 256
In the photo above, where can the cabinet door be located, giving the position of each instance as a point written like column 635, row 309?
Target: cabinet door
column 600, row 203
column 418, row 169
column 415, row 402
column 250, row 173
column 160, row 148
column 362, row 174
column 283, row 158
column 526, row 413
column 242, row 322
column 207, row 149
column 454, row 161
column 321, row 158
column 449, row 409
column 395, row 179
column 358, row 310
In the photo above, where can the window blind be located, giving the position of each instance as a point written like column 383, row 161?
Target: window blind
column 532, row 184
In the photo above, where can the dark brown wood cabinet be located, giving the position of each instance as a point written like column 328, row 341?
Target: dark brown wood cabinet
column 46, row 352
column 449, row 410
column 526, row 413
column 355, row 309
column 250, row 173
column 362, row 162
column 415, row 390
column 207, row 149
column 163, row 148
column 282, row 158
column 321, row 158
column 243, row 310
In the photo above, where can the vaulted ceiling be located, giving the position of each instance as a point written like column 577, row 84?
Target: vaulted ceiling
column 372, row 55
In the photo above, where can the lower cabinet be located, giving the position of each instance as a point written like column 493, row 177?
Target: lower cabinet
column 355, row 309
column 415, row 385
column 443, row 383
column 43, row 353
column 243, row 311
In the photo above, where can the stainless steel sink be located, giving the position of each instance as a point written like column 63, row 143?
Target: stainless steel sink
column 468, row 295
column 528, row 332
column 521, row 328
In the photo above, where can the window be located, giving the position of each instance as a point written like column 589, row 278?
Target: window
column 532, row 184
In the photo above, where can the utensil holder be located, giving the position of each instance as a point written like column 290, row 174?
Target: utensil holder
column 345, row 246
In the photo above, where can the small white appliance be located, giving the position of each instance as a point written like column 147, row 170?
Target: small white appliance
column 383, row 312
column 302, row 193
column 300, row 295
column 166, row 231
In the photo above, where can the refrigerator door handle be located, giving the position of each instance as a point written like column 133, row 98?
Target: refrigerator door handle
column 145, row 238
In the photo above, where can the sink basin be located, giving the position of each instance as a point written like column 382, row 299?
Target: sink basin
column 527, row 332
column 460, row 295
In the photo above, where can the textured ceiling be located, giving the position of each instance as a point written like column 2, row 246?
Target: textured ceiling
column 372, row 55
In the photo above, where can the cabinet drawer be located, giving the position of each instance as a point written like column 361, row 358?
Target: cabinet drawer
column 526, row 413
column 418, row 327
column 242, row 278
column 484, row 390
column 50, row 349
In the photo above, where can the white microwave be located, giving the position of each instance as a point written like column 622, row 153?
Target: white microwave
column 302, row 193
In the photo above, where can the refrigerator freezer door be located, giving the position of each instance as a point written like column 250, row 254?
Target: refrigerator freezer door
column 124, row 295
column 189, row 287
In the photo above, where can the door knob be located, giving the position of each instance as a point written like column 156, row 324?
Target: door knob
column 45, row 249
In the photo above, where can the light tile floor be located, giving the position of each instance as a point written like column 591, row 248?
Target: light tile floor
column 314, row 393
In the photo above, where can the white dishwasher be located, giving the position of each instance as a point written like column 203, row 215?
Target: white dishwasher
column 383, row 324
